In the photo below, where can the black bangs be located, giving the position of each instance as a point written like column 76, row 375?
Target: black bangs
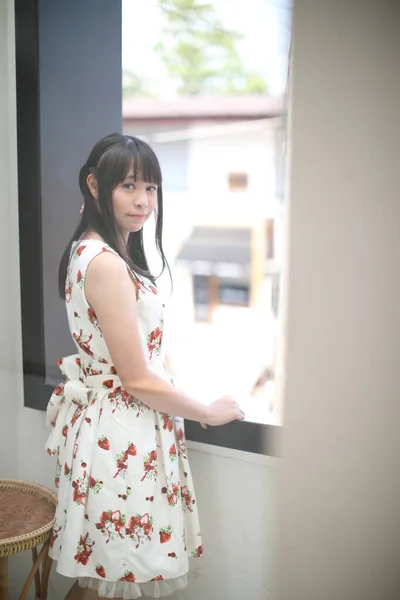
column 116, row 163
column 110, row 161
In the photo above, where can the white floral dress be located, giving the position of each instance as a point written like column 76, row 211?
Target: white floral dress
column 126, row 518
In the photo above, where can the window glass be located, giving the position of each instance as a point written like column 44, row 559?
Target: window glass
column 213, row 108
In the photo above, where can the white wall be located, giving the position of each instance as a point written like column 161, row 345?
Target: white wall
column 213, row 158
column 340, row 477
column 10, row 346
column 235, row 490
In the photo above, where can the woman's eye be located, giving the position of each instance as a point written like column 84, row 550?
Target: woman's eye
column 129, row 186
column 152, row 188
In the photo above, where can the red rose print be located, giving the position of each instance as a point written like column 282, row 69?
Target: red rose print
column 65, row 431
column 92, row 481
column 103, row 443
column 159, row 578
column 80, row 250
column 79, row 277
column 108, row 383
column 100, row 571
column 67, row 470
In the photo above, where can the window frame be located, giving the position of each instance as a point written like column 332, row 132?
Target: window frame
column 245, row 436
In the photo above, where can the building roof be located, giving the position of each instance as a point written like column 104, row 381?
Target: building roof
column 201, row 107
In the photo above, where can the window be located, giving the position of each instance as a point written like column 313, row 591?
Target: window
column 237, row 182
column 220, row 140
column 201, row 298
column 229, row 293
column 210, row 292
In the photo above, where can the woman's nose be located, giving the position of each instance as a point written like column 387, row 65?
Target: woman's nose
column 141, row 198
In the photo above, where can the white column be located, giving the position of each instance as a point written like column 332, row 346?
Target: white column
column 10, row 327
column 340, row 475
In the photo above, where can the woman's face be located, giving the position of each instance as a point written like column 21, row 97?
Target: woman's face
column 133, row 203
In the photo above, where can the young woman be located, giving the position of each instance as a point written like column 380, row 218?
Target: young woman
column 126, row 519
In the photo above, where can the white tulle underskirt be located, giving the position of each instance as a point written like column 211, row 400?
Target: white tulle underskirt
column 129, row 591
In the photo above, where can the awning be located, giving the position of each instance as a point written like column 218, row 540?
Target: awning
column 218, row 245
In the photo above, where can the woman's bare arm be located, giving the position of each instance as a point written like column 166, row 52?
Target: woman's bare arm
column 111, row 293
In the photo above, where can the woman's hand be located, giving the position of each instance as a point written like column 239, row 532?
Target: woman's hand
column 223, row 411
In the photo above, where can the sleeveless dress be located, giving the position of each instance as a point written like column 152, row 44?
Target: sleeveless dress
column 126, row 518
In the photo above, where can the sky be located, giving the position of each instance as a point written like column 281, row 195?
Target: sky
column 264, row 24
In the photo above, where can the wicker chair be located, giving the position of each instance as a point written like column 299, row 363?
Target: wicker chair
column 26, row 522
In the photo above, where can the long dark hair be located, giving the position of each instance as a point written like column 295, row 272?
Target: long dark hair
column 109, row 162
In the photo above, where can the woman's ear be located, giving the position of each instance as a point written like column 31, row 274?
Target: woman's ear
column 92, row 185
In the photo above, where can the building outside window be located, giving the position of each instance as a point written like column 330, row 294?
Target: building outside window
column 221, row 153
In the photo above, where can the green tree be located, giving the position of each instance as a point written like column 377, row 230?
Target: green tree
column 201, row 54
